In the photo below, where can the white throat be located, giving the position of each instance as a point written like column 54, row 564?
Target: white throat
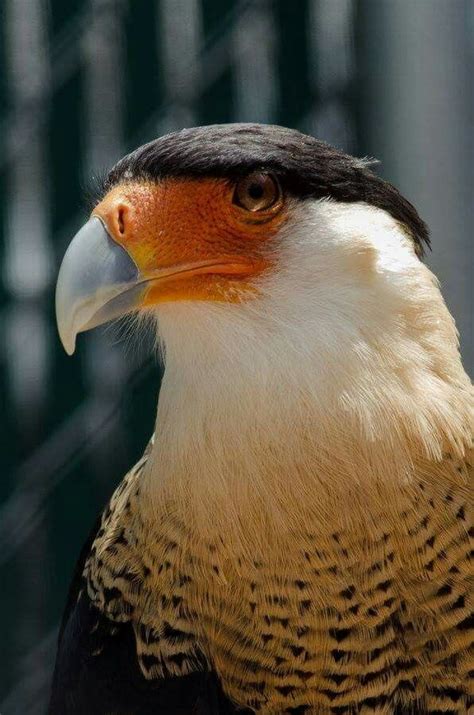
column 346, row 367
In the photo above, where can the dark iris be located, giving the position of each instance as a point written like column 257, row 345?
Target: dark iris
column 257, row 192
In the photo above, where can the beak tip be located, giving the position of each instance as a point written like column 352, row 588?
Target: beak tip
column 67, row 338
column 94, row 284
column 67, row 334
column 69, row 345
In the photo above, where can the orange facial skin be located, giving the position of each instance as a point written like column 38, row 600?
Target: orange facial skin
column 189, row 239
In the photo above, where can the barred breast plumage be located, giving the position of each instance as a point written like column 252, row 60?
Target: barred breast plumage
column 351, row 621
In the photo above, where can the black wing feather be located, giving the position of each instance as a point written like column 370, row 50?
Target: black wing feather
column 97, row 671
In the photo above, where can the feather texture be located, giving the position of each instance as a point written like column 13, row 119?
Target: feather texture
column 302, row 526
column 357, row 619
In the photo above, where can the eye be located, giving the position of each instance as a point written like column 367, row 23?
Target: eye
column 257, row 192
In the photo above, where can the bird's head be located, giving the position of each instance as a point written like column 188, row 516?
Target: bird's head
column 213, row 214
column 261, row 246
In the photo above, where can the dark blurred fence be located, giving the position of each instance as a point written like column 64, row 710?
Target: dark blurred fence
column 81, row 83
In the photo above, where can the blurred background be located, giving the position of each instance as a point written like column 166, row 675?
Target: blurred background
column 84, row 81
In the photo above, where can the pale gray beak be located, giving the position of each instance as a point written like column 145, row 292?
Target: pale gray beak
column 97, row 281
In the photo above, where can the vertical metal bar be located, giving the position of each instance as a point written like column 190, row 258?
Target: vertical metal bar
column 254, row 64
column 28, row 264
column 179, row 36
column 331, row 44
column 332, row 67
column 27, row 273
column 103, row 57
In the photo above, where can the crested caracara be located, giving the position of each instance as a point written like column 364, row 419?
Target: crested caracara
column 296, row 536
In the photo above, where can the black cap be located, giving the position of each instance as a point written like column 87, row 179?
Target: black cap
column 305, row 167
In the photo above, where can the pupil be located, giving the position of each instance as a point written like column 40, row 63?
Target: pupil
column 255, row 191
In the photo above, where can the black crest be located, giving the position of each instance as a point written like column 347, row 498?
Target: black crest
column 305, row 166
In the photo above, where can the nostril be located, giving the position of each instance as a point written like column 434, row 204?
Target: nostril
column 121, row 220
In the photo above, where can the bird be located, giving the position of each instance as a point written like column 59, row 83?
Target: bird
column 296, row 538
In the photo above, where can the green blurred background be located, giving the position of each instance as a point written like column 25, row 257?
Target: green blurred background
column 82, row 82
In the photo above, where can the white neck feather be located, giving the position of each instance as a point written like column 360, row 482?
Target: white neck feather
column 344, row 371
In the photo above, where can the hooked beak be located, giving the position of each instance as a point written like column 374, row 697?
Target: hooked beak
column 148, row 244
column 97, row 281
